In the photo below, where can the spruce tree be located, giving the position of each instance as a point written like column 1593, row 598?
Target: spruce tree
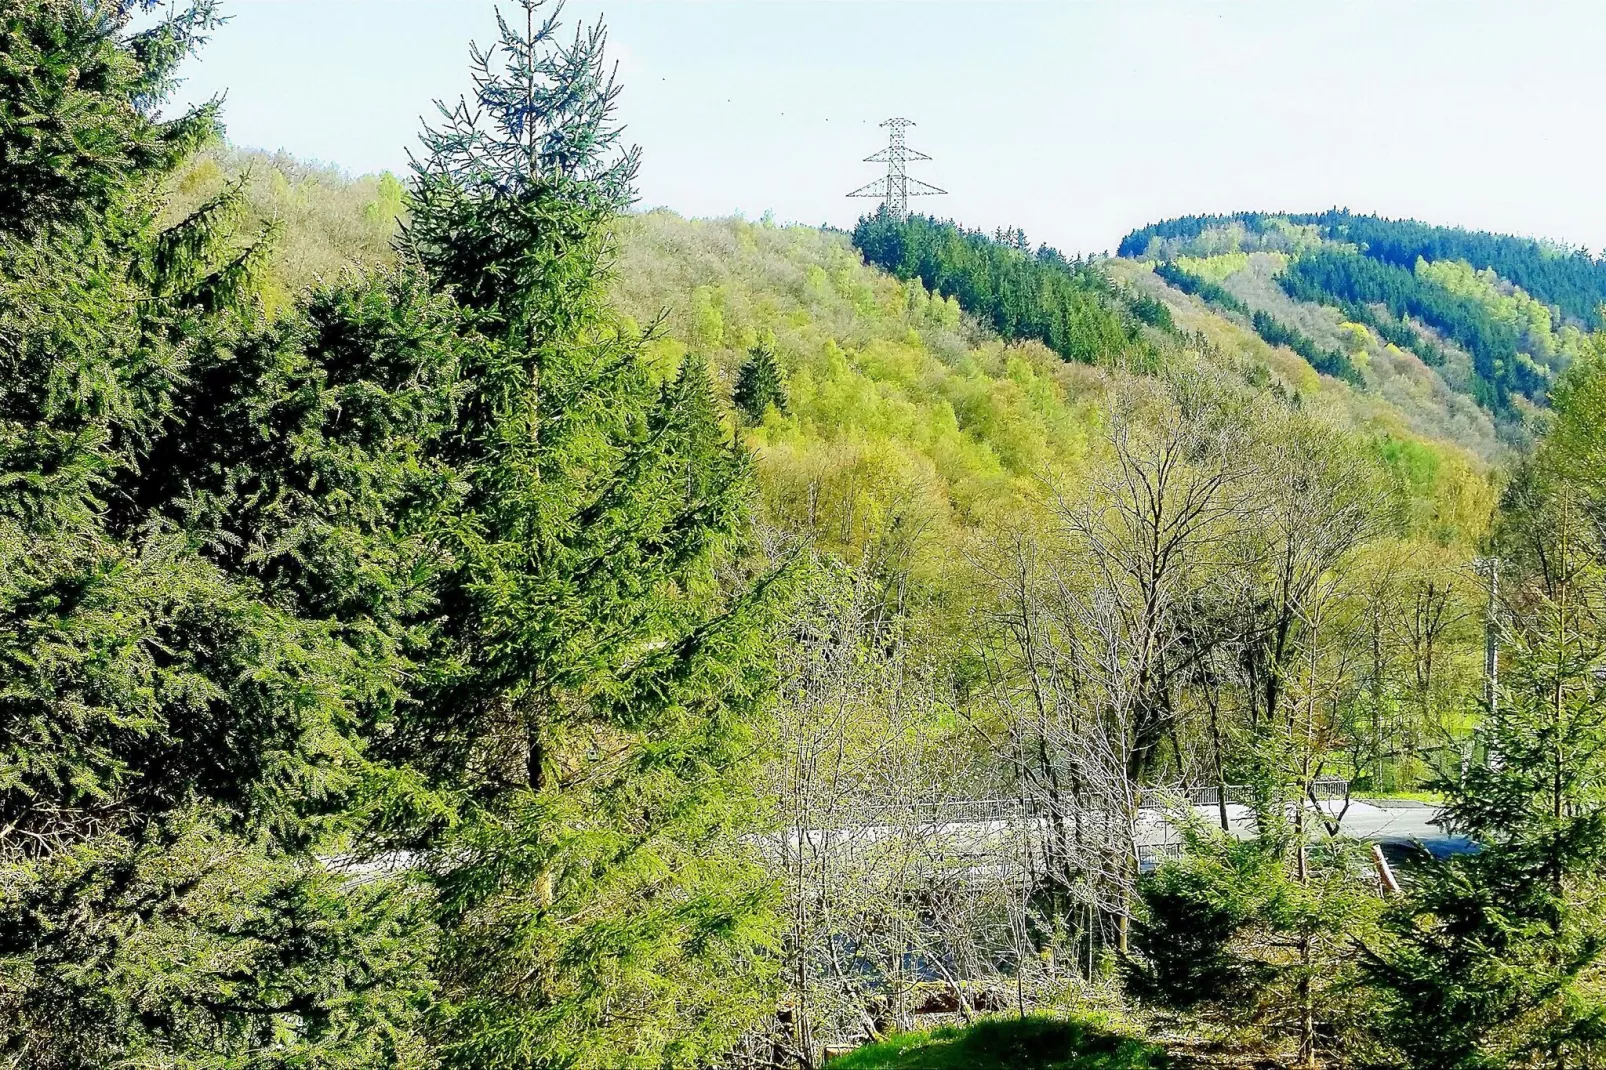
column 598, row 666
column 759, row 384
column 379, row 680
column 176, row 743
column 1254, row 932
column 1495, row 958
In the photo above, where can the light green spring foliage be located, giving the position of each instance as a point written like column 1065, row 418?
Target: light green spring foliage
column 912, row 438
column 1235, row 239
column 1552, row 344
column 1218, row 268
column 908, row 431
column 330, row 222
column 905, row 427
column 913, row 405
column 1480, row 325
column 883, row 373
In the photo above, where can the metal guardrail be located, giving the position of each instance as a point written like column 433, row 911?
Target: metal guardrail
column 991, row 840
column 1325, row 789
column 1237, row 795
column 966, row 811
column 1151, row 855
column 956, row 811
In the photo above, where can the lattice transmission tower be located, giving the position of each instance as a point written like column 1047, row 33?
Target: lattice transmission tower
column 895, row 190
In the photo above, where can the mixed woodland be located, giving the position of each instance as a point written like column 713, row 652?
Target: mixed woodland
column 460, row 620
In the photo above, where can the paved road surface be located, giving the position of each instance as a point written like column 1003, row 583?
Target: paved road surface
column 1399, row 825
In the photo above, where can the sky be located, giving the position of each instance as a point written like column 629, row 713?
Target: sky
column 1076, row 120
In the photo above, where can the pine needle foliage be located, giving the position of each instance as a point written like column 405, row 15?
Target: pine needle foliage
column 1070, row 305
column 177, row 742
column 381, row 678
column 1495, row 959
column 80, row 93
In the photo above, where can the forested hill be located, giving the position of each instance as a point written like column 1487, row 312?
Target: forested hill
column 1571, row 279
column 1497, row 317
column 1331, row 306
column 727, row 282
column 934, row 413
column 934, row 375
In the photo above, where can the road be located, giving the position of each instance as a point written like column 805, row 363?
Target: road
column 1400, row 825
column 981, row 846
column 984, row 841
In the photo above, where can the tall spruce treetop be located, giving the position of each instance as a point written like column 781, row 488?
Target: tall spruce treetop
column 512, row 187
column 542, row 115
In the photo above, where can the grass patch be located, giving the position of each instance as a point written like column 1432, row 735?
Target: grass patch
column 1034, row 1043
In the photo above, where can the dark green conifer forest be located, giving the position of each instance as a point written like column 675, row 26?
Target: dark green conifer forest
column 1570, row 278
column 1063, row 303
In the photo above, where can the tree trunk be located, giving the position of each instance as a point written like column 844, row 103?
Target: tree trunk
column 1221, row 768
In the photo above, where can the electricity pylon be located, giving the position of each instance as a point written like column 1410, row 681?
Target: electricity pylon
column 895, row 190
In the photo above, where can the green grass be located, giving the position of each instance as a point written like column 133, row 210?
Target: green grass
column 1033, row 1043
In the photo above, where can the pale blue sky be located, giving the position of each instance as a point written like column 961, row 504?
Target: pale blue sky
column 1076, row 119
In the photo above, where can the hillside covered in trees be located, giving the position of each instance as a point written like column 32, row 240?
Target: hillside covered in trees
column 1570, row 279
column 462, row 621
column 1497, row 317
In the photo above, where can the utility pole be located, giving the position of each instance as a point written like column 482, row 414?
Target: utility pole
column 897, row 187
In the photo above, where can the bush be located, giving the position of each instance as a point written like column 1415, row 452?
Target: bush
column 1037, row 1042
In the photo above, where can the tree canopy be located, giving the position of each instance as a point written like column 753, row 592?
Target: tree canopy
column 1068, row 305
column 1571, row 279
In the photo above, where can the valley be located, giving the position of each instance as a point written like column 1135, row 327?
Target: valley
column 465, row 619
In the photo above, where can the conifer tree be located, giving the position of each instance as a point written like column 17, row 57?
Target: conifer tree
column 1496, row 958
column 590, row 699
column 759, row 384
column 429, row 564
column 1235, row 929
column 175, row 744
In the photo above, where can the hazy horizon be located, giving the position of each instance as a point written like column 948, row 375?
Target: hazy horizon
column 1077, row 122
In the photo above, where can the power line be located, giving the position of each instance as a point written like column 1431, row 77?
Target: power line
column 897, row 187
